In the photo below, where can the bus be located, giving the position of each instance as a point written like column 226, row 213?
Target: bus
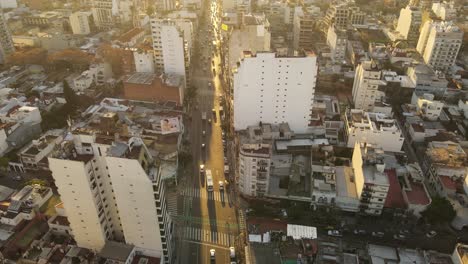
column 209, row 180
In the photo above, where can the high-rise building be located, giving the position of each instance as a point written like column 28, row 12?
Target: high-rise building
column 343, row 15
column 112, row 191
column 303, row 29
column 81, row 22
column 171, row 48
column 439, row 44
column 366, row 84
column 409, row 23
column 6, row 43
column 337, row 40
column 104, row 12
column 274, row 89
column 444, row 10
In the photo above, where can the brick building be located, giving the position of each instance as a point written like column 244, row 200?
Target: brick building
column 151, row 87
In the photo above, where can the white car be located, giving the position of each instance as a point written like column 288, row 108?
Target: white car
column 203, row 145
column 431, row 234
column 221, row 185
column 212, row 254
column 203, row 132
column 378, row 234
column 334, row 233
column 202, row 168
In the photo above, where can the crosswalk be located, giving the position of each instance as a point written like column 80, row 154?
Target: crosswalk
column 206, row 236
column 203, row 194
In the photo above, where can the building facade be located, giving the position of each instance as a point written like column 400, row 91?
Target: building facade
column 111, row 190
column 409, row 23
column 254, row 169
column 337, row 41
column 273, row 89
column 6, row 42
column 81, row 22
column 439, row 44
column 367, row 80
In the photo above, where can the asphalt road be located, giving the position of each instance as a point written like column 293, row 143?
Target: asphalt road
column 209, row 219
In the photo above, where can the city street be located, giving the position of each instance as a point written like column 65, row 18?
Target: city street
column 208, row 219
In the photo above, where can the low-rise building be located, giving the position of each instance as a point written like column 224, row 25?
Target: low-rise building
column 426, row 106
column 426, row 80
column 376, row 129
column 254, row 169
column 151, row 87
column 58, row 223
column 34, row 155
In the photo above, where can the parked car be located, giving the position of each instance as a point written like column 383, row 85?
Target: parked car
column 203, row 145
column 17, row 178
column 378, row 234
column 212, row 255
column 359, row 232
column 431, row 234
column 399, row 237
column 335, row 233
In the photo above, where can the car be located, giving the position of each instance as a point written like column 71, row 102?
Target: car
column 335, row 233
column 203, row 145
column 209, row 84
column 17, row 178
column 212, row 254
column 399, row 237
column 232, row 254
column 284, row 213
column 209, row 120
column 202, row 168
column 203, row 132
column 359, row 232
column 221, row 185
column 431, row 234
column 378, row 234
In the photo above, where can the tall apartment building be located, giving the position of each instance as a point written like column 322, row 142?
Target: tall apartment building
column 303, row 29
column 104, row 13
column 367, row 79
column 376, row 129
column 445, row 10
column 253, row 35
column 409, row 23
column 439, row 44
column 343, row 15
column 6, row 43
column 337, row 40
column 254, row 169
column 111, row 191
column 274, row 89
column 171, row 51
column 81, row 22
column 372, row 183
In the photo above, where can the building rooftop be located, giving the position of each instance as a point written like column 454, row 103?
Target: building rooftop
column 116, row 251
column 417, row 194
column 300, row 231
column 382, row 254
column 446, row 153
column 141, row 78
column 345, row 185
column 127, row 36
column 262, row 149
column 394, row 195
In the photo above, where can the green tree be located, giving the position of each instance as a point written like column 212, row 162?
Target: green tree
column 439, row 211
column 4, row 163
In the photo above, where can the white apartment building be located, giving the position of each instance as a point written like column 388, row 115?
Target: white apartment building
column 439, row 44
column 144, row 61
column 371, row 181
column 171, row 51
column 337, row 40
column 80, row 22
column 83, row 81
column 6, row 42
column 409, row 23
column 424, row 79
column 444, row 10
column 273, row 89
column 426, row 106
column 374, row 129
column 343, row 15
column 254, row 35
column 111, row 190
column 254, row 169
column 367, row 79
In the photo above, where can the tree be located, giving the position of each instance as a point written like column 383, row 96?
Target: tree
column 4, row 163
column 70, row 95
column 70, row 58
column 439, row 211
column 150, row 10
column 28, row 56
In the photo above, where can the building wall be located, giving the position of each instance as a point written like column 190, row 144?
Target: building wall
column 365, row 87
column 155, row 92
column 251, row 181
column 103, row 13
column 135, row 201
column 144, row 61
column 409, row 23
column 79, row 22
column 274, row 90
column 357, row 167
column 72, row 179
column 8, row 4
column 6, row 42
column 337, row 44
